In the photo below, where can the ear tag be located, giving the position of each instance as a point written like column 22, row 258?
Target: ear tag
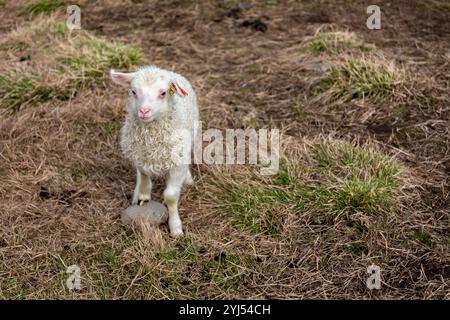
column 171, row 91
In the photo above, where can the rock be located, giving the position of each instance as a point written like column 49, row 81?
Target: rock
column 152, row 212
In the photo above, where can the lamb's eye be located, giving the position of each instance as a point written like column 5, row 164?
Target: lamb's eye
column 163, row 93
column 133, row 92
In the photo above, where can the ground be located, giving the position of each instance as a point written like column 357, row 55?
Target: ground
column 364, row 172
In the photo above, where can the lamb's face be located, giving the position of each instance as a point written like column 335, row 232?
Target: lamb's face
column 149, row 97
column 149, row 93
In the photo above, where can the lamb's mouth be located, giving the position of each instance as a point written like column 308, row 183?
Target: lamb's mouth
column 146, row 119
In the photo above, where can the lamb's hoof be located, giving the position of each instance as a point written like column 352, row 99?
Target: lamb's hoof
column 189, row 181
column 142, row 202
column 176, row 229
column 177, row 233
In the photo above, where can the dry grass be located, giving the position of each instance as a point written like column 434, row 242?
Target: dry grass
column 75, row 63
column 326, row 177
column 367, row 77
column 367, row 182
column 333, row 42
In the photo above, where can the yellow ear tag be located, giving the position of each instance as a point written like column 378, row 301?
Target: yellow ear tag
column 171, row 91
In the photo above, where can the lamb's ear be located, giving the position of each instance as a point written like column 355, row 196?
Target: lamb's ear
column 175, row 87
column 123, row 79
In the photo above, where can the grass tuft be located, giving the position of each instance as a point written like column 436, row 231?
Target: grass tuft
column 375, row 79
column 353, row 179
column 255, row 210
column 333, row 179
column 18, row 88
column 77, row 63
column 43, row 6
column 331, row 42
column 93, row 55
column 423, row 237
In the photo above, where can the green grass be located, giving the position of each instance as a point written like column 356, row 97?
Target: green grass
column 423, row 237
column 93, row 55
column 256, row 210
column 340, row 179
column 175, row 271
column 438, row 5
column 43, row 6
column 360, row 79
column 102, row 264
column 78, row 64
column 221, row 270
column 18, row 88
column 331, row 42
column 354, row 179
column 58, row 28
column 357, row 248
column 89, row 58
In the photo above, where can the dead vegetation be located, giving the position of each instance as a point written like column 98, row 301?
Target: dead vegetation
column 367, row 77
column 364, row 176
column 333, row 42
column 62, row 64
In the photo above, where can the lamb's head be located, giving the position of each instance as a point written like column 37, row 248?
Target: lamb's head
column 150, row 92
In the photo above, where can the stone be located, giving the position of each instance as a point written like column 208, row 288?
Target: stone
column 152, row 212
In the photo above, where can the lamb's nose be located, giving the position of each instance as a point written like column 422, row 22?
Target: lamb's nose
column 145, row 110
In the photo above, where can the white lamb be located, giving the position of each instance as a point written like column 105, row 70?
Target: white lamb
column 159, row 131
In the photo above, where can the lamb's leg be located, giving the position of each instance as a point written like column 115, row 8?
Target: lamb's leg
column 189, row 180
column 175, row 180
column 143, row 189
